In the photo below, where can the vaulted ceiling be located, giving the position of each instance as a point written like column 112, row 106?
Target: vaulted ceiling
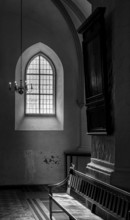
column 78, row 10
column 81, row 8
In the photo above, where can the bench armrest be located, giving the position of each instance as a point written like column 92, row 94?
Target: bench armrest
column 56, row 185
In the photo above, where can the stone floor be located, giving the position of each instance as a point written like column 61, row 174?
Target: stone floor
column 26, row 203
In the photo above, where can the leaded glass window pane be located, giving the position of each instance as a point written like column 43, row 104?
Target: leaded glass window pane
column 40, row 75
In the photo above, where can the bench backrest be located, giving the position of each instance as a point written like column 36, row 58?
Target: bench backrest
column 105, row 196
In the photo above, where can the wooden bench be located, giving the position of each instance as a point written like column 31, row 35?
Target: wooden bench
column 98, row 196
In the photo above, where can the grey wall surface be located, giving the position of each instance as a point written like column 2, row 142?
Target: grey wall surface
column 35, row 157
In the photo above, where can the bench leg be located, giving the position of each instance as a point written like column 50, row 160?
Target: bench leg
column 50, row 207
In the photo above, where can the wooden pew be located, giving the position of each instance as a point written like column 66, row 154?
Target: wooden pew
column 98, row 198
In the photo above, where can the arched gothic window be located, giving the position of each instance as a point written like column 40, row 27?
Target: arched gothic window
column 42, row 68
column 40, row 77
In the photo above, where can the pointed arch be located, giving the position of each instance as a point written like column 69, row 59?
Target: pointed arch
column 22, row 122
column 40, row 78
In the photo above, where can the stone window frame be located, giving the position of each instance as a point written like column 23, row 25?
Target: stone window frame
column 22, row 122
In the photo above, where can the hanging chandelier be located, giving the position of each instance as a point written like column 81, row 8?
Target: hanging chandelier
column 21, row 87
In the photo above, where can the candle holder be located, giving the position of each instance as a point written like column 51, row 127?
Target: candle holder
column 20, row 89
